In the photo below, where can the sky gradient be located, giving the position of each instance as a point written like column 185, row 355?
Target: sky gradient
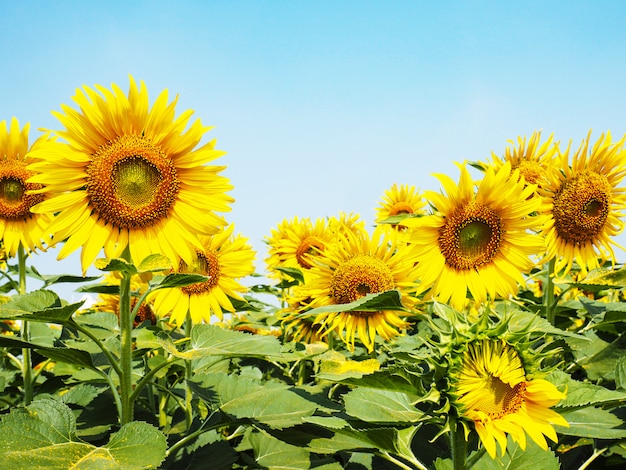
column 322, row 106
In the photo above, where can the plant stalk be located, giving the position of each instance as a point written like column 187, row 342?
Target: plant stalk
column 126, row 352
column 27, row 360
column 458, row 446
column 548, row 292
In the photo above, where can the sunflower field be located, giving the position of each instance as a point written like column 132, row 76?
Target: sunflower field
column 481, row 325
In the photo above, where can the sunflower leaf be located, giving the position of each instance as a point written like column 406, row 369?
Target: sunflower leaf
column 389, row 300
column 381, row 406
column 592, row 422
column 154, row 263
column 115, row 264
column 270, row 452
column 581, row 394
column 51, row 441
column 180, row 280
column 27, row 303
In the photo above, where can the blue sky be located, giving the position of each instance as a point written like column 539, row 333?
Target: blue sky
column 323, row 105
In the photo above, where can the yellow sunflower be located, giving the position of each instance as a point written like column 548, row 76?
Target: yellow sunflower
column 585, row 205
column 18, row 225
column 400, row 200
column 225, row 258
column 492, row 390
column 138, row 286
column 357, row 265
column 477, row 240
column 131, row 176
column 532, row 158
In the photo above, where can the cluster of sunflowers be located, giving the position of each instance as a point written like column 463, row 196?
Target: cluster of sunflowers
column 472, row 295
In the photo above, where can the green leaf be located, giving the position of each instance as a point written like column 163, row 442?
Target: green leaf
column 69, row 356
column 600, row 359
column 602, row 279
column 51, row 441
column 50, row 280
column 579, row 394
column 620, row 373
column 271, row 453
column 180, row 280
column 381, row 406
column 274, row 404
column 295, row 273
column 115, row 264
column 211, row 340
column 389, row 300
column 592, row 422
column 154, row 263
column 27, row 303
column 58, row 315
column 520, row 321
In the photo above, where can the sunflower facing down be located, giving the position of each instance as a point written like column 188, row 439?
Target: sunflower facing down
column 476, row 241
column 585, row 205
column 492, row 390
column 357, row 265
column 18, row 225
column 225, row 258
column 131, row 176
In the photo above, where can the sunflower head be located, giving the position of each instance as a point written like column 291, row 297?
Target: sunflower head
column 584, row 204
column 18, row 225
column 397, row 201
column 127, row 175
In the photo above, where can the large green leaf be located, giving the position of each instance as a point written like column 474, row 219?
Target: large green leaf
column 274, row 404
column 389, row 300
column 382, row 406
column 598, row 357
column 270, row 452
column 579, row 394
column 28, row 303
column 592, row 422
column 43, row 435
column 211, row 340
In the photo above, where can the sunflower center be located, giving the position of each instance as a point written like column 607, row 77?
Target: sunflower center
column 206, row 264
column 401, row 208
column 15, row 203
column 131, row 183
column 359, row 276
column 531, row 171
column 581, row 207
column 500, row 399
column 310, row 246
column 470, row 236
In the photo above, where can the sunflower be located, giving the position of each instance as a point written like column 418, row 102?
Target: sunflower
column 585, row 205
column 492, row 390
column 129, row 177
column 476, row 240
column 532, row 159
column 18, row 225
column 139, row 286
column 225, row 258
column 357, row 265
column 400, row 200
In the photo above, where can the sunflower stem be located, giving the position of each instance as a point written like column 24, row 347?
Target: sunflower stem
column 126, row 353
column 27, row 360
column 188, row 375
column 548, row 292
column 458, row 446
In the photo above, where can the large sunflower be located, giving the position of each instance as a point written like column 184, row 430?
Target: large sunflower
column 354, row 266
column 492, row 390
column 18, row 225
column 476, row 240
column 131, row 176
column 585, row 204
column 225, row 258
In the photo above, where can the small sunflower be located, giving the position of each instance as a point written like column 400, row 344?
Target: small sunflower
column 492, row 390
column 129, row 176
column 138, row 286
column 18, row 225
column 225, row 258
column 532, row 158
column 585, row 205
column 476, row 240
column 400, row 200
column 348, row 270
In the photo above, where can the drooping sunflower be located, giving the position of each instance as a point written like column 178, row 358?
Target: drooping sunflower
column 357, row 265
column 225, row 258
column 585, row 204
column 477, row 240
column 400, row 200
column 533, row 158
column 128, row 175
column 18, row 225
column 492, row 390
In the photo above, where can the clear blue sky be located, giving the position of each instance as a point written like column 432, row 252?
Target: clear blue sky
column 323, row 105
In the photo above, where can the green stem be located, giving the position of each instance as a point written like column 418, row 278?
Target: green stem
column 27, row 360
column 146, row 378
column 126, row 351
column 548, row 292
column 458, row 446
column 188, row 375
